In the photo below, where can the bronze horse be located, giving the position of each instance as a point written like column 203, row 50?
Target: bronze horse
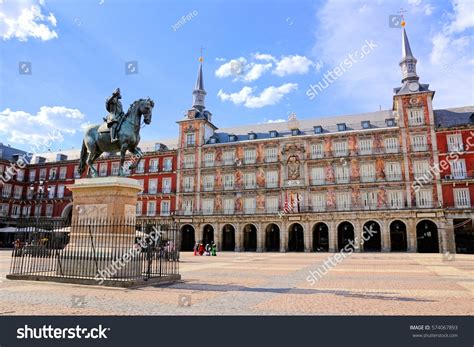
column 97, row 138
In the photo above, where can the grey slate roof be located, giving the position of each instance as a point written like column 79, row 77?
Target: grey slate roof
column 454, row 116
column 7, row 152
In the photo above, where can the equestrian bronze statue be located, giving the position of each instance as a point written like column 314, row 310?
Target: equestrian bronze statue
column 120, row 132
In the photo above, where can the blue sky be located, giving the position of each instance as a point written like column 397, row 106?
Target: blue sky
column 260, row 57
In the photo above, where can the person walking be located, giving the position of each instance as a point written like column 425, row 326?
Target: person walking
column 213, row 249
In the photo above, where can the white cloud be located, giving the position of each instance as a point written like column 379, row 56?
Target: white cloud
column 293, row 64
column 25, row 22
column 269, row 96
column 231, row 68
column 463, row 16
column 264, row 57
column 220, row 59
column 24, row 128
column 279, row 120
column 256, row 71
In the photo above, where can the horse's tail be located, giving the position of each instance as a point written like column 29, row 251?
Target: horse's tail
column 82, row 162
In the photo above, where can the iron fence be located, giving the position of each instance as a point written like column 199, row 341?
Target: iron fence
column 98, row 250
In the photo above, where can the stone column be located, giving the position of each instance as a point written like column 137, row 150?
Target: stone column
column 332, row 235
column 238, row 238
column 284, row 237
column 217, row 236
column 385, row 236
column 411, row 235
column 447, row 240
column 260, row 237
column 358, row 236
column 308, row 238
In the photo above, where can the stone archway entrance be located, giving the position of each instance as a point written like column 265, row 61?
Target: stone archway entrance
column 464, row 236
column 272, row 238
column 296, row 238
column 398, row 236
column 371, row 237
column 187, row 238
column 250, row 238
column 320, row 237
column 427, row 237
column 228, row 238
column 345, row 234
column 207, row 234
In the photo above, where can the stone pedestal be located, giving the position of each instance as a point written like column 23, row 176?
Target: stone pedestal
column 103, row 227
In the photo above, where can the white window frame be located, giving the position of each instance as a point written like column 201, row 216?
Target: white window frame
column 462, row 198
column 416, row 117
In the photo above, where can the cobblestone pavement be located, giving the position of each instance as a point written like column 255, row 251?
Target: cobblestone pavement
column 266, row 284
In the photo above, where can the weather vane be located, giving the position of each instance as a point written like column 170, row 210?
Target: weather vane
column 402, row 11
column 201, row 58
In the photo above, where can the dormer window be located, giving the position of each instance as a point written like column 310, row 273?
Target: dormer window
column 295, row 132
column 252, row 135
column 212, row 139
column 273, row 133
column 232, row 138
column 390, row 122
column 318, row 129
column 365, row 124
column 341, row 127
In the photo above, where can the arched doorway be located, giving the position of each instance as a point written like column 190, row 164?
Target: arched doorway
column 250, row 238
column 427, row 237
column 371, row 237
column 320, row 237
column 345, row 236
column 228, row 238
column 272, row 238
column 207, row 234
column 464, row 236
column 296, row 238
column 398, row 236
column 187, row 238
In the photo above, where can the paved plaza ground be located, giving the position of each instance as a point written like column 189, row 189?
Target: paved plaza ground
column 266, row 284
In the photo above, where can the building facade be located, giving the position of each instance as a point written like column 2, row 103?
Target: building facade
column 393, row 180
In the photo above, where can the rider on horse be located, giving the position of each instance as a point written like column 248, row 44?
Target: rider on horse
column 114, row 107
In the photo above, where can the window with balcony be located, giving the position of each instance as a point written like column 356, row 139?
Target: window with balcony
column 209, row 158
column 115, row 168
column 3, row 210
column 271, row 204
column 318, row 176
column 250, row 156
column 424, row 198
column 393, row 171
column 63, row 173
column 318, row 201
column 60, row 193
column 166, row 189
column 168, row 164
column 228, row 181
column 455, row 143
column 142, row 184
column 16, row 210
column 188, row 183
column 51, row 191
column 365, row 146
column 271, row 154
column 26, row 212
column 343, row 201
column 29, row 194
column 140, row 167
column 418, row 143
column 188, row 207
column 416, row 117
column 52, row 173
column 152, row 186
column 103, row 169
column 20, row 175
column 229, row 205
column 395, row 199
column 42, row 175
column 208, row 183
column 189, row 161
column 138, row 209
column 458, row 168
column 462, row 198
column 49, row 210
column 76, row 173
column 190, row 140
column 249, row 205
column 340, row 148
column 207, row 206
column 271, row 179
column 151, row 208
column 391, row 145
column 153, row 165
column 421, row 170
column 229, row 157
column 317, row 151
column 17, row 192
column 37, row 210
column 249, row 180
column 342, row 174
column 165, row 208
column 369, row 199
column 32, row 175
column 7, row 190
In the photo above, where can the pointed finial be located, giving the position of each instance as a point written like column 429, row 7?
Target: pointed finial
column 201, row 59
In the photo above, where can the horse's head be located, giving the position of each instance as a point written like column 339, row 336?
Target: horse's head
column 146, row 108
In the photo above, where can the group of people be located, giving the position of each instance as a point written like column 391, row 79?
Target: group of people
column 209, row 249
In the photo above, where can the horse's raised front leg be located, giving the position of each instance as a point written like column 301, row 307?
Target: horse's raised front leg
column 137, row 155
column 123, row 151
